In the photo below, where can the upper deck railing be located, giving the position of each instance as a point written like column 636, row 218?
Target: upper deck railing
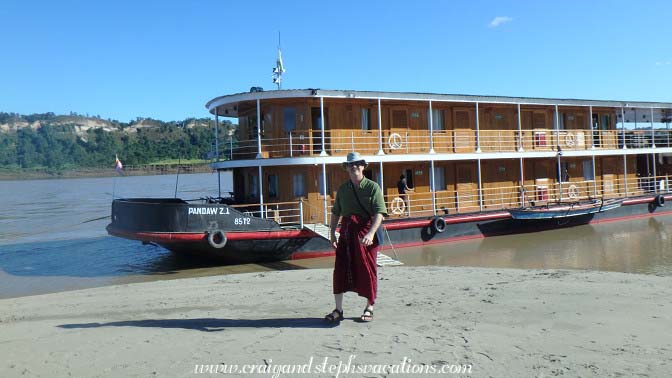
column 370, row 142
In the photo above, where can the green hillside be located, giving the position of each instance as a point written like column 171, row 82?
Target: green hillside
column 63, row 142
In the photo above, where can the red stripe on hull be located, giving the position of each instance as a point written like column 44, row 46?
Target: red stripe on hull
column 630, row 217
column 201, row 236
column 418, row 224
column 637, row 201
column 310, row 255
column 450, row 220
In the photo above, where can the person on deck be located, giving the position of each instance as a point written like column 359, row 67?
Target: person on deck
column 402, row 188
column 360, row 207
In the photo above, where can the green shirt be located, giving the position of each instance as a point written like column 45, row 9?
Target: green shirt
column 370, row 196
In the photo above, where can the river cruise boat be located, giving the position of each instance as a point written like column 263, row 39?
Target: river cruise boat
column 479, row 166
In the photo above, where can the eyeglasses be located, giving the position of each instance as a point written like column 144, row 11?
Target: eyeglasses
column 355, row 164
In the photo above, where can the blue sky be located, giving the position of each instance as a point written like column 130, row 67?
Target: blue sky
column 165, row 59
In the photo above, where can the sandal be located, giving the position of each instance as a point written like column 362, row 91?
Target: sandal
column 335, row 316
column 367, row 316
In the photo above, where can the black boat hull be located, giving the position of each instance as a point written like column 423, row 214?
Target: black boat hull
column 185, row 228
column 170, row 224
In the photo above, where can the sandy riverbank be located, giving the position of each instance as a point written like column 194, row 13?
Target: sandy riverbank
column 504, row 323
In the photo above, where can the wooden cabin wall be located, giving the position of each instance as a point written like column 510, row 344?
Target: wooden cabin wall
column 632, row 177
column 500, row 179
column 575, row 178
column 344, row 123
column 498, row 118
column 342, row 116
column 575, row 118
column 314, row 207
column 464, row 128
column 335, row 177
column 536, row 118
column 466, row 186
column 498, row 125
column 498, row 128
column 448, row 200
column 443, row 139
column 540, row 177
column 611, row 178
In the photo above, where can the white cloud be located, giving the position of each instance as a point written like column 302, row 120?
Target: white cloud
column 499, row 20
column 667, row 63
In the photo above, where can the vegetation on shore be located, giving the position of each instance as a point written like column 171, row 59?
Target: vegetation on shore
column 50, row 143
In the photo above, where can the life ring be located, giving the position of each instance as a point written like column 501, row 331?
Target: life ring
column 570, row 139
column 395, row 141
column 573, row 191
column 398, row 206
column 438, row 224
column 660, row 200
column 214, row 236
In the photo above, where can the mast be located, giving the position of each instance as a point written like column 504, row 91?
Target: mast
column 279, row 68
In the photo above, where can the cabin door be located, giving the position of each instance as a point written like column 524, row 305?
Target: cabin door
column 409, row 178
column 543, row 187
column 610, row 180
column 467, row 187
column 596, row 130
column 463, row 134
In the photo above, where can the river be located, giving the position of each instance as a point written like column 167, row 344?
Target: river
column 53, row 238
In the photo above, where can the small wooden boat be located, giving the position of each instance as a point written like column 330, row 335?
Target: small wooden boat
column 565, row 210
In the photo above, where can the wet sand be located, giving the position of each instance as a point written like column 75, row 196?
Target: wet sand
column 501, row 322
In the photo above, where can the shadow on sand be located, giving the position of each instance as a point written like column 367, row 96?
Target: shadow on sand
column 211, row 324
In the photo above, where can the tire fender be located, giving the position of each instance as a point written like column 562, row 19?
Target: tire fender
column 438, row 224
column 217, row 239
column 660, row 200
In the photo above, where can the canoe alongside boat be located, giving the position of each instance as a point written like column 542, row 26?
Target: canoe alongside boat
column 565, row 210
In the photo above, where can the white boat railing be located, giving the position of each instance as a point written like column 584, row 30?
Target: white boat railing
column 284, row 213
column 339, row 142
column 469, row 199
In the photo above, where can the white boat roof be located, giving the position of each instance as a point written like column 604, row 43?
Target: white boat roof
column 227, row 105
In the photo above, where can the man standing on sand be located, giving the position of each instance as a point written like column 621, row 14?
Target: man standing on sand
column 360, row 206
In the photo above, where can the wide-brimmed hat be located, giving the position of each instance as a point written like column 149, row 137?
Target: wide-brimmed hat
column 354, row 157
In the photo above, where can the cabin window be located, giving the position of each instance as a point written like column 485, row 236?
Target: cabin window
column 299, row 185
column 254, row 185
column 366, row 119
column 265, row 122
column 322, row 186
column 605, row 122
column 564, row 171
column 588, row 170
column 437, row 120
column 439, row 179
column 289, row 116
column 252, row 127
column 273, row 186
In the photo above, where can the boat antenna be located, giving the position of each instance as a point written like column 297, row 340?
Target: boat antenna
column 279, row 68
